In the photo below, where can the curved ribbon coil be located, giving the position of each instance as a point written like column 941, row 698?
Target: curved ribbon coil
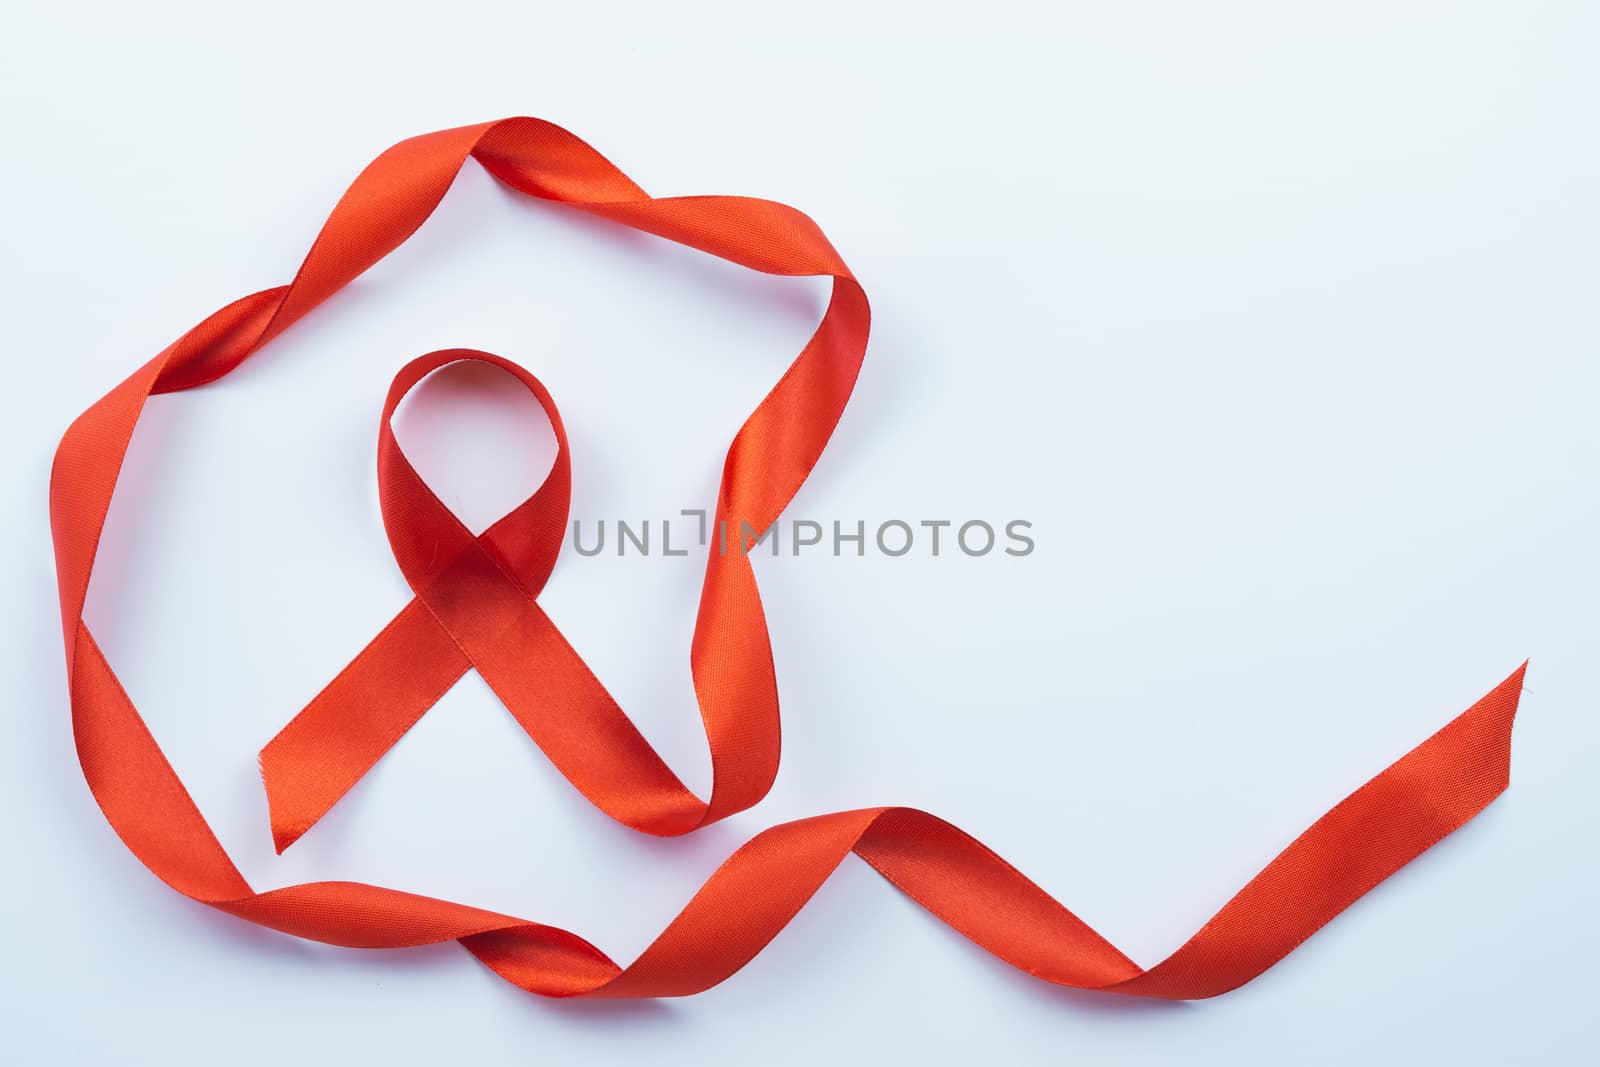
column 475, row 607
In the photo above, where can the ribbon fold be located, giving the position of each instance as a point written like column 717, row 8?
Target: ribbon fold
column 475, row 607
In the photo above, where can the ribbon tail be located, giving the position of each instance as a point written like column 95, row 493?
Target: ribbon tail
column 326, row 749
column 1421, row 799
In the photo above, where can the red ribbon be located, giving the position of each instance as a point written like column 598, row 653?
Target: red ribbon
column 475, row 608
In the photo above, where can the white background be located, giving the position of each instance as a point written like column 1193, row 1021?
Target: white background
column 1276, row 320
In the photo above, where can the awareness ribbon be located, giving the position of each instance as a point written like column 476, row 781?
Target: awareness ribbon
column 475, row 608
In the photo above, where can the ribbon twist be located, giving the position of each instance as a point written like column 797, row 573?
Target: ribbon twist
column 475, row 607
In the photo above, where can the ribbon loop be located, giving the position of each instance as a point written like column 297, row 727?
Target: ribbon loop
column 426, row 535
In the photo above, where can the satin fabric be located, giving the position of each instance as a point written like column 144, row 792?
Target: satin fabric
column 476, row 608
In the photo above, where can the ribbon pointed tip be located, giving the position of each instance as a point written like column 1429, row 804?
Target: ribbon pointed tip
column 1486, row 726
column 284, row 832
column 282, row 839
